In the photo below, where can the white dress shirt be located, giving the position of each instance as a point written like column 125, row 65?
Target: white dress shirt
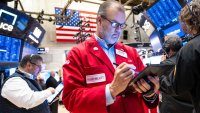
column 17, row 91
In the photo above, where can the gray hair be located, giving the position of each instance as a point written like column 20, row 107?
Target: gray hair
column 110, row 3
column 173, row 42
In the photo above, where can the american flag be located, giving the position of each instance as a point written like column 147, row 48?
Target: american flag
column 66, row 29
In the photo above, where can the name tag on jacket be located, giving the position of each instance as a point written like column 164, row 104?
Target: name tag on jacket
column 95, row 78
column 121, row 53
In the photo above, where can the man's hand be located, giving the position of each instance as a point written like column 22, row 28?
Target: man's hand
column 51, row 89
column 142, row 86
column 123, row 74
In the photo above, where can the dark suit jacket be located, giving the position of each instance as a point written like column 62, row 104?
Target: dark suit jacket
column 51, row 82
column 173, row 104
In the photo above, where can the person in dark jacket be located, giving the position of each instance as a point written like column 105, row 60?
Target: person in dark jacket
column 186, row 76
column 52, row 82
column 173, row 104
column 21, row 93
column 187, row 73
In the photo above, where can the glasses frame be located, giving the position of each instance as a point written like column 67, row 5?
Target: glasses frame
column 115, row 24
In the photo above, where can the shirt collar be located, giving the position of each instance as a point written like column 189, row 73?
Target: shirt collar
column 28, row 75
column 102, row 42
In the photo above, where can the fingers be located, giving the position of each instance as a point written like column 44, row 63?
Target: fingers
column 126, row 69
column 128, row 78
column 155, row 81
column 123, row 70
column 121, row 65
column 122, row 77
column 142, row 86
column 126, row 72
column 52, row 90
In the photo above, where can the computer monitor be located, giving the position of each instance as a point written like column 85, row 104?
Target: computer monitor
column 164, row 12
column 9, row 49
column 146, row 25
column 174, row 29
column 35, row 33
column 28, row 49
column 13, row 23
column 155, row 41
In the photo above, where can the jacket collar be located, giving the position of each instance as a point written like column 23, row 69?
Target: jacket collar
column 96, row 49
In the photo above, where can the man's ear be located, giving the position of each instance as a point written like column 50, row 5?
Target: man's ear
column 99, row 20
column 28, row 65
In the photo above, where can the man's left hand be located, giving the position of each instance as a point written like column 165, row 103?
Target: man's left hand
column 142, row 86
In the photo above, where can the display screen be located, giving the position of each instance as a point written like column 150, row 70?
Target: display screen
column 13, row 23
column 17, row 24
column 9, row 49
column 28, row 49
column 146, row 25
column 58, row 90
column 175, row 29
column 7, row 17
column 164, row 12
column 35, row 33
column 155, row 41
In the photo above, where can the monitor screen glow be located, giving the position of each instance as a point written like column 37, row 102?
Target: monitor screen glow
column 164, row 13
column 175, row 29
column 9, row 49
column 155, row 41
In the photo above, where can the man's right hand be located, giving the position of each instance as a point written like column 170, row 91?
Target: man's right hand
column 52, row 90
column 123, row 74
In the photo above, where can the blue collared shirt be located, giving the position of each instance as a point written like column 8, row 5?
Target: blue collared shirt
column 110, row 52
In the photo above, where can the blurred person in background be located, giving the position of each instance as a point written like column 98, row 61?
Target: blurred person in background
column 186, row 76
column 21, row 93
column 169, row 103
column 52, row 82
column 171, row 46
column 60, row 74
column 93, row 83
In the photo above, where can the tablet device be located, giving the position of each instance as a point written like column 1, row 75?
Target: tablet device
column 153, row 70
column 58, row 90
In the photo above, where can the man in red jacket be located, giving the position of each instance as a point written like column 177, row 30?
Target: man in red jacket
column 93, row 84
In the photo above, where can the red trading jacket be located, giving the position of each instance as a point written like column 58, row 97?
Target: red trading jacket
column 88, row 59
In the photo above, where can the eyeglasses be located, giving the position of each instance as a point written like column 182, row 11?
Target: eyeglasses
column 31, row 57
column 115, row 24
column 39, row 66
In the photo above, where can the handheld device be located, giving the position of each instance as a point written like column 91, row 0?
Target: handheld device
column 58, row 89
column 153, row 70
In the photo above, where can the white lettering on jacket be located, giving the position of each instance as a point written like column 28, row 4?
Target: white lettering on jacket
column 95, row 78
